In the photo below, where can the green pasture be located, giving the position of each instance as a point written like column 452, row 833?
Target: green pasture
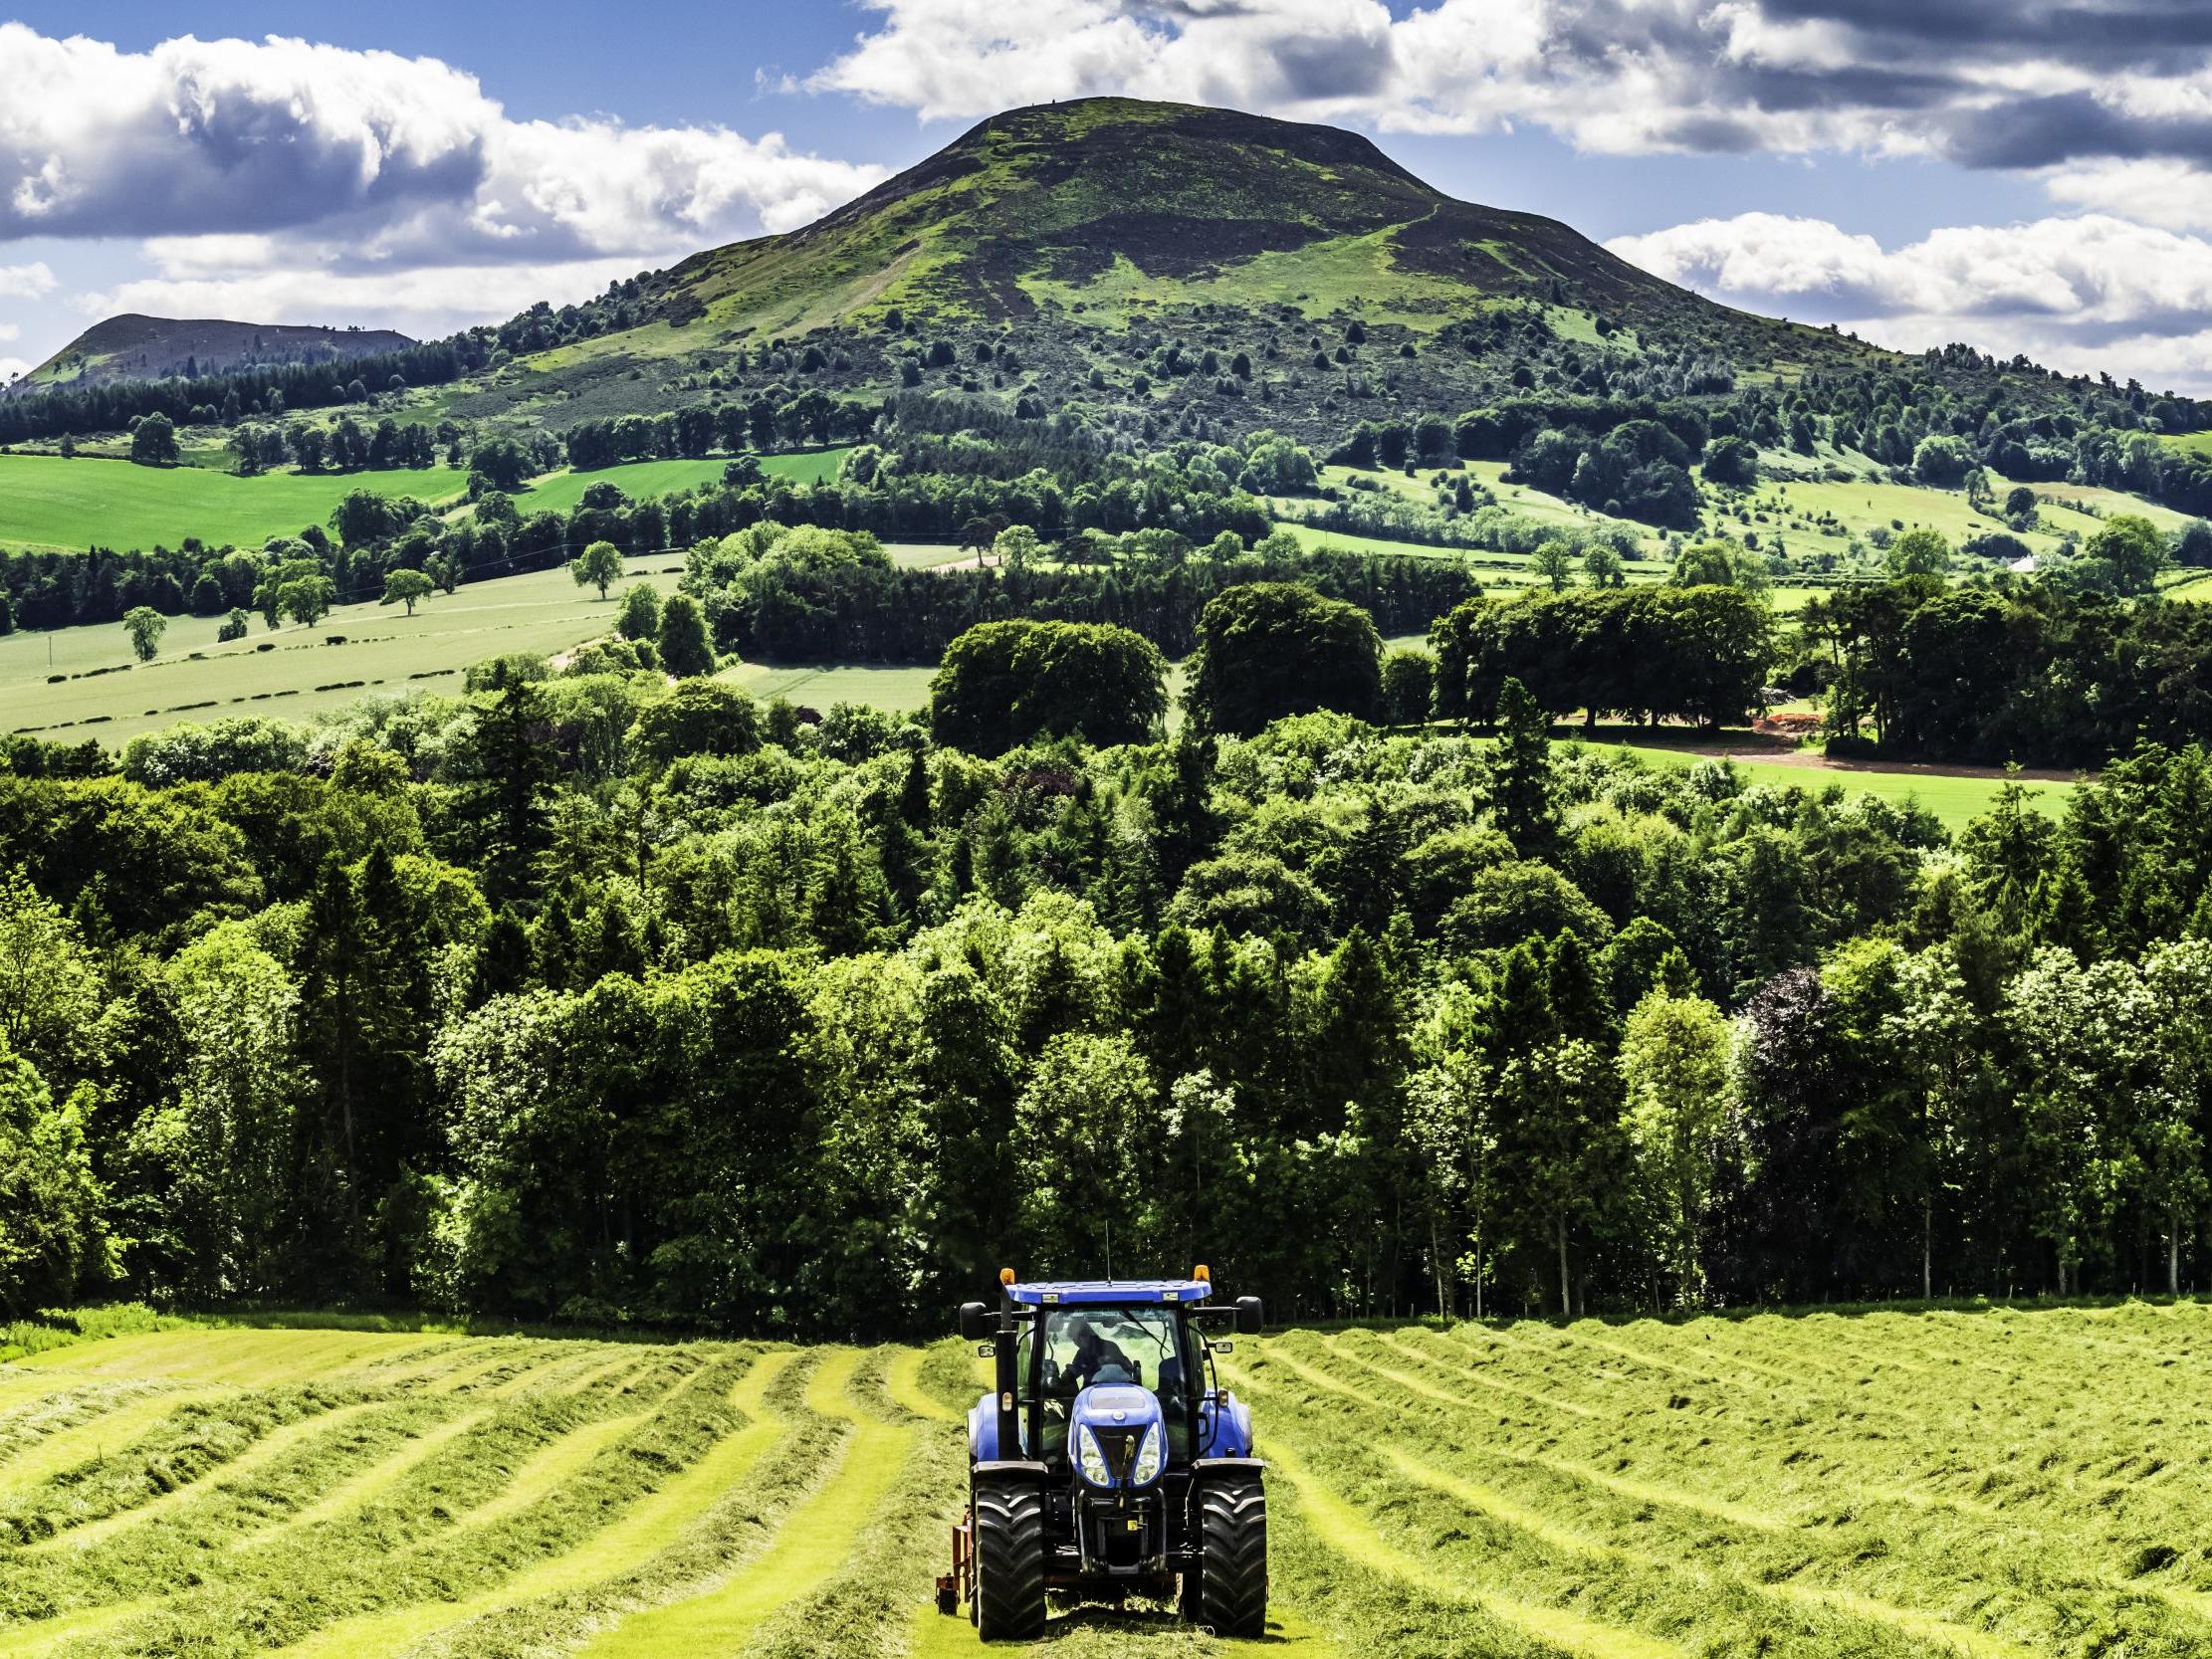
column 1822, row 517
column 563, row 491
column 894, row 688
column 1981, row 1480
column 1954, row 798
column 385, row 650
column 49, row 503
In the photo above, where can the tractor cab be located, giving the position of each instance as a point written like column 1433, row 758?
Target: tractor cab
column 1108, row 1460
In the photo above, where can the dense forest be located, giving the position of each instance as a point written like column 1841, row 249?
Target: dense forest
column 595, row 995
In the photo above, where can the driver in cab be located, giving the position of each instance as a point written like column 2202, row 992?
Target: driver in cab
column 1095, row 1355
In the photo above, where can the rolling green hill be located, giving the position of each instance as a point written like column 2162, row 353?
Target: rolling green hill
column 1063, row 231
column 136, row 347
column 1120, row 205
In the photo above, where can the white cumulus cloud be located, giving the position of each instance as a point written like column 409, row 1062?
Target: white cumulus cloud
column 1990, row 82
column 266, row 172
column 26, row 281
column 2079, row 294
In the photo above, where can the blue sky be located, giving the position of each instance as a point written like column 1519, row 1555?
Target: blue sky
column 2027, row 175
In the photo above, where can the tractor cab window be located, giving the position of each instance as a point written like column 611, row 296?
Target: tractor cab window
column 1141, row 1346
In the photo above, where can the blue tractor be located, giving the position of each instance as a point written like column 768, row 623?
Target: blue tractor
column 1108, row 1462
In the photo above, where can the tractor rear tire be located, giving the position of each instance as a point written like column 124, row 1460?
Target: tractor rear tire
column 1009, row 1562
column 1230, row 1596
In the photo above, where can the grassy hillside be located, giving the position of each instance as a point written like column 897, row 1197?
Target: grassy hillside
column 1984, row 1483
column 195, row 678
column 1121, row 205
column 1076, row 232
column 561, row 492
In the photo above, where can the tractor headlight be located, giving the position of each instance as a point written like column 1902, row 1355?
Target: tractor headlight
column 1148, row 1459
column 1089, row 1458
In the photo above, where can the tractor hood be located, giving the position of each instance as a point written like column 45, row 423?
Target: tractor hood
column 1118, row 1417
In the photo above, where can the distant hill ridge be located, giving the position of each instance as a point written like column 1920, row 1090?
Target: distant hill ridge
column 1154, row 203
column 133, row 346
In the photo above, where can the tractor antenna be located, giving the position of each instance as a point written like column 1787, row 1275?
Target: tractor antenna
column 1109, row 1250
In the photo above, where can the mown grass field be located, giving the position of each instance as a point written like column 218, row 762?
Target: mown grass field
column 1954, row 799
column 49, row 503
column 1999, row 1484
column 385, row 649
column 641, row 480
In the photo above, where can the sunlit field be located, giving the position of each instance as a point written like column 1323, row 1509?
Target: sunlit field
column 1999, row 1484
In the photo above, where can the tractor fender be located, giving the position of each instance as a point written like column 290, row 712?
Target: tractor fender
column 1010, row 1468
column 982, row 1432
column 1224, row 1427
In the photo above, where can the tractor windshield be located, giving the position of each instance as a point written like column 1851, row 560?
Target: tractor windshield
column 1141, row 1346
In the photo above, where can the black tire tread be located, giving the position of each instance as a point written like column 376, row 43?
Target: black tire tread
column 1010, row 1560
column 1232, row 1549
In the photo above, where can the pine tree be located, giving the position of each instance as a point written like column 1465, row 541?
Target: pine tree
column 913, row 793
column 513, row 737
column 1579, row 1001
column 1520, row 772
column 502, row 963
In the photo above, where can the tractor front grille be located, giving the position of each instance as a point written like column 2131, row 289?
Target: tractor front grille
column 1119, row 1447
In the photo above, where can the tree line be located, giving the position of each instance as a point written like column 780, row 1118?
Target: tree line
column 265, row 391
column 584, row 996
column 595, row 998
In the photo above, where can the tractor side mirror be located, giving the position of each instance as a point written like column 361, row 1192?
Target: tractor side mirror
column 975, row 1321
column 1249, row 1315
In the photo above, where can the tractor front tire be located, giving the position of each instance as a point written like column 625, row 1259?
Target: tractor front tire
column 1230, row 1597
column 1010, row 1560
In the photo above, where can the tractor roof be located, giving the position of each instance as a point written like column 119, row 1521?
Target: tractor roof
column 1065, row 1293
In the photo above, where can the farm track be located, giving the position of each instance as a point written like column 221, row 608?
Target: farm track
column 1887, row 1486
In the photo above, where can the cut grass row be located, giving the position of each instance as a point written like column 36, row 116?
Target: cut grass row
column 1810, row 1499
column 786, row 1501
column 2001, row 1485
